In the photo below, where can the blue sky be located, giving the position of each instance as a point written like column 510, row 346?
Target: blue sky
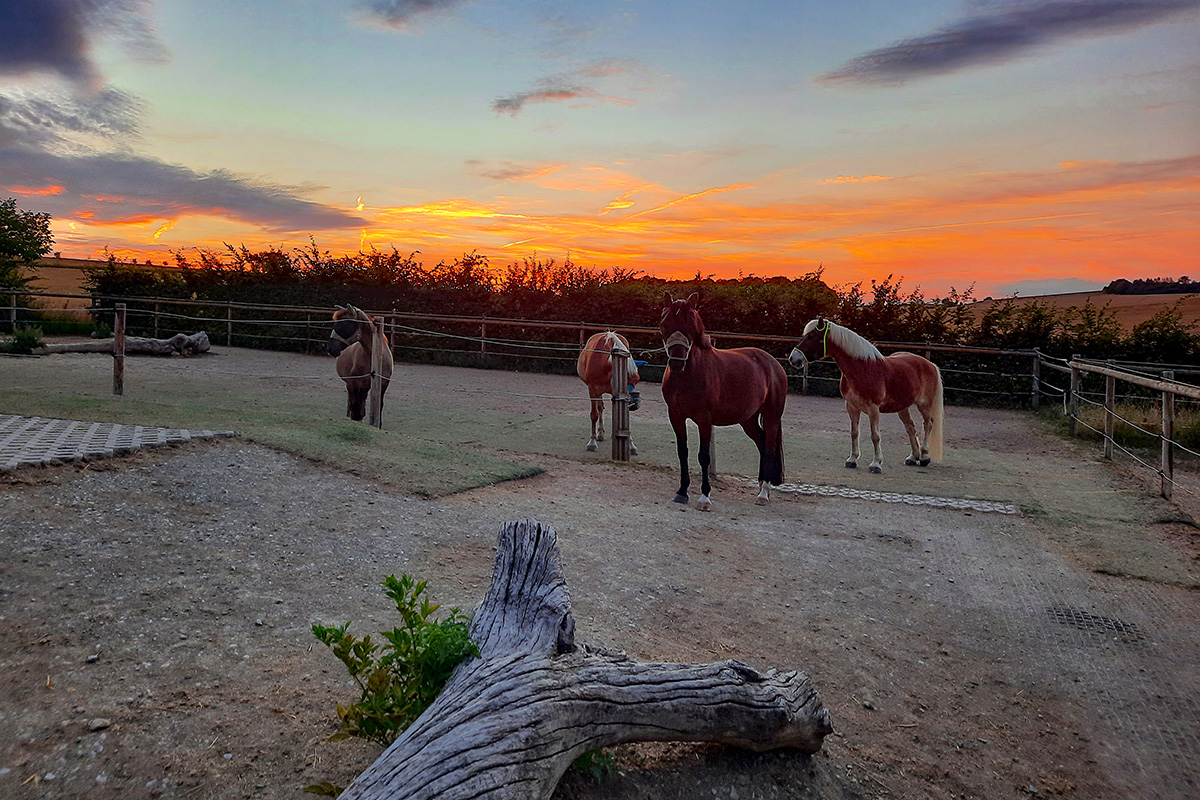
column 950, row 143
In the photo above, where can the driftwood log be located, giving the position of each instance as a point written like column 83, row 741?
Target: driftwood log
column 508, row 724
column 180, row 344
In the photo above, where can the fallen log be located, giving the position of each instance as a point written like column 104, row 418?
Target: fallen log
column 180, row 344
column 509, row 723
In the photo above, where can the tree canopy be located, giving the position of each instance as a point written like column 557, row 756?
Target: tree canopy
column 24, row 238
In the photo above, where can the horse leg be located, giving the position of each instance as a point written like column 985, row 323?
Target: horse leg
column 358, row 403
column 755, row 431
column 927, row 415
column 599, row 407
column 854, row 413
column 597, row 410
column 679, row 424
column 704, row 504
column 873, row 415
column 906, row 417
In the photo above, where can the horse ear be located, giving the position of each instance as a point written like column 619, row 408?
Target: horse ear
column 694, row 299
column 666, row 298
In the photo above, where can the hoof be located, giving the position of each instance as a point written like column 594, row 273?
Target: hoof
column 703, row 505
column 925, row 462
column 632, row 449
column 600, row 438
column 875, row 468
column 851, row 464
column 680, row 498
column 910, row 462
column 591, row 447
column 762, row 501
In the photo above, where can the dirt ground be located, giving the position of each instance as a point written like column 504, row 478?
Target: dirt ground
column 155, row 609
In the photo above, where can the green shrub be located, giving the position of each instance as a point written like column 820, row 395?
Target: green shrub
column 23, row 341
column 398, row 680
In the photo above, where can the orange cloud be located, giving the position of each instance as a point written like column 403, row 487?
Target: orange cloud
column 43, row 191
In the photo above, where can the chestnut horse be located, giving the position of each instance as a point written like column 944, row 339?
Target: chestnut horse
column 594, row 368
column 873, row 384
column 744, row 386
column 351, row 341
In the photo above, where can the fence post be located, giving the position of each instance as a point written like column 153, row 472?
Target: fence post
column 620, row 402
column 804, row 377
column 1073, row 403
column 156, row 320
column 12, row 313
column 483, row 339
column 582, row 337
column 1168, row 434
column 376, row 395
column 307, row 323
column 1036, row 390
column 119, row 350
column 1110, row 399
column 228, row 324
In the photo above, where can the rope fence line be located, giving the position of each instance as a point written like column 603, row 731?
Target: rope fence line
column 1155, row 378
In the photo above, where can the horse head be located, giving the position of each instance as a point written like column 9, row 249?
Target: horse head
column 681, row 329
column 815, row 344
column 347, row 329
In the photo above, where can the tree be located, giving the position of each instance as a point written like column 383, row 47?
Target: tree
column 24, row 238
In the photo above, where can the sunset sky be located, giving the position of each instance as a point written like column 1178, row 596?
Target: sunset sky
column 1032, row 146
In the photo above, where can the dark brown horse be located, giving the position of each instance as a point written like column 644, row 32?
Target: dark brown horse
column 874, row 384
column 745, row 386
column 351, row 341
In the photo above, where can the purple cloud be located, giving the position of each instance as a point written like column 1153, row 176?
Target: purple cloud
column 1000, row 34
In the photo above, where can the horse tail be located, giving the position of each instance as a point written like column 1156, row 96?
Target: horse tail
column 936, row 449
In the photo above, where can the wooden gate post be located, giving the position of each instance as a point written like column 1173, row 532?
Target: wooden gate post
column 1168, row 433
column 375, row 398
column 620, row 402
column 228, row 324
column 804, row 377
column 483, row 340
column 1073, row 403
column 12, row 313
column 156, row 320
column 1036, row 389
column 119, row 350
column 1110, row 399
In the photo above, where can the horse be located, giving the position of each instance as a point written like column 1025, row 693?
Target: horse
column 351, row 341
column 873, row 384
column 594, row 368
column 744, row 386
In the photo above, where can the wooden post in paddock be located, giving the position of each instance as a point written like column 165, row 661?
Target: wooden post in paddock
column 375, row 398
column 483, row 340
column 12, row 313
column 1073, row 402
column 229, row 324
column 1168, row 433
column 804, row 376
column 1035, row 390
column 118, row 350
column 1110, row 401
column 620, row 402
column 509, row 723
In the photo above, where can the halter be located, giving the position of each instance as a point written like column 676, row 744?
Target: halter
column 824, row 337
column 678, row 338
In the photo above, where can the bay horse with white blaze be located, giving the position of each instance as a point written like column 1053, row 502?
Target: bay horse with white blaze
column 352, row 340
column 872, row 383
column 744, row 386
column 594, row 367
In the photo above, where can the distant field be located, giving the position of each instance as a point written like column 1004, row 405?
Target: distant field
column 1130, row 309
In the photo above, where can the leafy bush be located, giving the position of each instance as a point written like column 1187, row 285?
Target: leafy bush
column 23, row 341
column 398, row 680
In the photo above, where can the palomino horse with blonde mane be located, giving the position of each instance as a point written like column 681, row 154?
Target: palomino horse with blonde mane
column 873, row 384
column 594, row 368
column 744, row 386
column 351, row 340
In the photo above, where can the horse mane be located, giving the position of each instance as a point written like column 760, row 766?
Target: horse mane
column 631, row 370
column 848, row 341
column 351, row 312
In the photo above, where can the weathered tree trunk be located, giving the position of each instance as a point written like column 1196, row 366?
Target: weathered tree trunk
column 178, row 345
column 508, row 724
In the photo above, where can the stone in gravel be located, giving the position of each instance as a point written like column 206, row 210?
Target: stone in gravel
column 99, row 724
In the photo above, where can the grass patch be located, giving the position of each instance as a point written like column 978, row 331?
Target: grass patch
column 293, row 413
